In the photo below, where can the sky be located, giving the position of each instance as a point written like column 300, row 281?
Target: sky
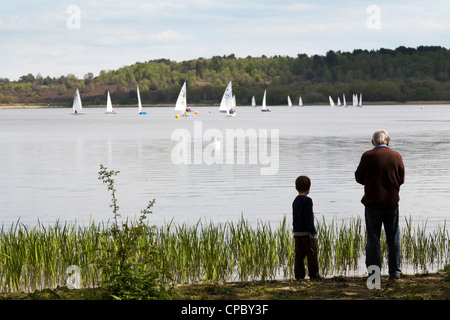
column 55, row 38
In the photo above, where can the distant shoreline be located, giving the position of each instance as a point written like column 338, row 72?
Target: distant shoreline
column 212, row 105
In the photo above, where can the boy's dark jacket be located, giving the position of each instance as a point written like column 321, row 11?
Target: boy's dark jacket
column 303, row 216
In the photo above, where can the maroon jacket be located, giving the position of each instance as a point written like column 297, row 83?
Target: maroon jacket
column 382, row 172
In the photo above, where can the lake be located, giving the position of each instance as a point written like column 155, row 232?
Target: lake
column 49, row 162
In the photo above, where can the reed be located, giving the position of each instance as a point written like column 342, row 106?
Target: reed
column 38, row 257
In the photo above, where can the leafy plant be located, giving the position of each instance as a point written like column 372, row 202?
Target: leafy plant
column 130, row 271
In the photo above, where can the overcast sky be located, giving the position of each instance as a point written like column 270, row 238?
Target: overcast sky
column 57, row 38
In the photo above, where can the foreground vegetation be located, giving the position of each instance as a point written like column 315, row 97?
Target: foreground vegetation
column 403, row 74
column 39, row 257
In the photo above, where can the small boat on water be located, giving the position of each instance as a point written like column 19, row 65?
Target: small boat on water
column 227, row 99
column 331, row 101
column 181, row 104
column 109, row 107
column 77, row 106
column 141, row 110
column 264, row 108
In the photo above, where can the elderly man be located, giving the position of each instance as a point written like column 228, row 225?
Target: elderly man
column 382, row 172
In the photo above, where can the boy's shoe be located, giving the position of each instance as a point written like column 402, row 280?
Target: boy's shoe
column 394, row 276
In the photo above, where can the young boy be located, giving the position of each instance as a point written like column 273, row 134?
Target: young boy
column 304, row 231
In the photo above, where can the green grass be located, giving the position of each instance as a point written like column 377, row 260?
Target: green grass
column 35, row 258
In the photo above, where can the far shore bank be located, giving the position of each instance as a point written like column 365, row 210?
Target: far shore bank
column 48, row 106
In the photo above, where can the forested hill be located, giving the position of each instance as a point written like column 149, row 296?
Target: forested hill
column 403, row 74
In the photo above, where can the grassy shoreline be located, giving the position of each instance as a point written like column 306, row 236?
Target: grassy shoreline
column 428, row 286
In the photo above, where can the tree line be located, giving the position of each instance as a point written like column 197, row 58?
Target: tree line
column 401, row 74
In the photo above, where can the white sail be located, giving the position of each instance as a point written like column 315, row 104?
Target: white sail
column 253, row 102
column 233, row 103
column 109, row 107
column 339, row 102
column 77, row 106
column 344, row 102
column 263, row 106
column 227, row 99
column 141, row 110
column 300, row 102
column 289, row 102
column 181, row 103
column 331, row 101
column 360, row 100
column 355, row 100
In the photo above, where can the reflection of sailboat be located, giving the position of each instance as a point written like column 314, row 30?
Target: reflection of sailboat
column 141, row 111
column 109, row 107
column 263, row 106
column 181, row 104
column 253, row 102
column 300, row 102
column 289, row 102
column 331, row 101
column 227, row 99
column 77, row 106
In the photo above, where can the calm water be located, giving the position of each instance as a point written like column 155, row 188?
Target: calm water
column 49, row 163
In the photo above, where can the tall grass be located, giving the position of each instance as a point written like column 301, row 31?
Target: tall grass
column 39, row 257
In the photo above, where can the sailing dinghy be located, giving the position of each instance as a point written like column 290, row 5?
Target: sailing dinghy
column 181, row 104
column 227, row 99
column 289, row 102
column 331, row 101
column 141, row 110
column 109, row 107
column 263, row 106
column 77, row 106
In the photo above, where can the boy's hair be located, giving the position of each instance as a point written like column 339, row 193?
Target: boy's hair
column 302, row 184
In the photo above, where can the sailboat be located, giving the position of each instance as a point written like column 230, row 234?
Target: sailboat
column 289, row 102
column 181, row 104
column 77, row 106
column 141, row 111
column 300, row 102
column 344, row 102
column 232, row 112
column 339, row 102
column 355, row 100
column 263, row 106
column 253, row 102
column 331, row 101
column 360, row 100
column 227, row 99
column 109, row 107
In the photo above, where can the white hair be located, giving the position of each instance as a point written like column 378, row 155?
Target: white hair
column 381, row 136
